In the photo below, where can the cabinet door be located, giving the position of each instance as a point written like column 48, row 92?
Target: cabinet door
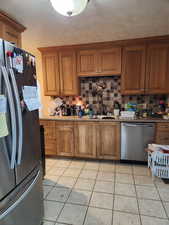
column 85, row 139
column 68, row 77
column 51, row 79
column 65, row 139
column 162, row 133
column 108, row 140
column 109, row 62
column 157, row 69
column 87, row 62
column 133, row 71
column 49, row 137
column 10, row 34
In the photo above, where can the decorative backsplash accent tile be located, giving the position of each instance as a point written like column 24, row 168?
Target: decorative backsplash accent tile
column 104, row 91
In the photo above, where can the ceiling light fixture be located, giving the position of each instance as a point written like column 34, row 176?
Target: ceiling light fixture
column 69, row 7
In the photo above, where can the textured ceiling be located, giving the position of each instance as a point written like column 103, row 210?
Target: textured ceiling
column 103, row 20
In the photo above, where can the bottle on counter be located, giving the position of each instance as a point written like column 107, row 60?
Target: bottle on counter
column 117, row 108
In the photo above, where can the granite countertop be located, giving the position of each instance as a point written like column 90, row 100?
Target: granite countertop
column 86, row 118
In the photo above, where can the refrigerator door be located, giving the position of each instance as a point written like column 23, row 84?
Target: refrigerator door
column 24, row 206
column 28, row 129
column 8, row 143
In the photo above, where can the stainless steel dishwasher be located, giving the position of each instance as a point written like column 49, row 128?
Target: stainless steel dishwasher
column 134, row 139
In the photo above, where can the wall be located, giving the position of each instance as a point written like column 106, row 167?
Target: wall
column 45, row 100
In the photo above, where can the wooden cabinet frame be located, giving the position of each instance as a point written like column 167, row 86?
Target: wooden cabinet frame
column 108, row 140
column 133, row 71
column 10, row 29
column 85, row 139
column 65, row 142
column 99, row 62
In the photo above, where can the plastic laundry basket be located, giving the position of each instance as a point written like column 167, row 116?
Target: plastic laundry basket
column 160, row 164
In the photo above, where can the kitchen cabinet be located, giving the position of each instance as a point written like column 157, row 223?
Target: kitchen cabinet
column 65, row 138
column 68, row 77
column 10, row 30
column 49, row 137
column 109, row 61
column 99, row 62
column 87, row 62
column 59, row 73
column 162, row 133
column 85, row 139
column 133, row 70
column 157, row 74
column 51, row 78
column 108, row 140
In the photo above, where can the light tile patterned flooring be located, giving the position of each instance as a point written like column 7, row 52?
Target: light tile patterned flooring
column 81, row 192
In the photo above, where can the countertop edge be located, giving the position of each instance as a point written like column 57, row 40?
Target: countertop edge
column 104, row 120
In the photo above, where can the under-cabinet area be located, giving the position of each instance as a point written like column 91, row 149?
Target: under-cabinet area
column 91, row 139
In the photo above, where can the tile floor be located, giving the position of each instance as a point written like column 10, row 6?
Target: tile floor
column 81, row 192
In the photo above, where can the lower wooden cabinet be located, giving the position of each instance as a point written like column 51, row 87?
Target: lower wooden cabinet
column 162, row 133
column 49, row 137
column 65, row 143
column 82, row 139
column 108, row 140
column 85, row 139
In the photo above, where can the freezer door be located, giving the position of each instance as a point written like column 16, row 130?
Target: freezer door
column 8, row 143
column 28, row 129
column 25, row 204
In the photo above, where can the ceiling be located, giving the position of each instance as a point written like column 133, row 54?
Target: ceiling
column 103, row 20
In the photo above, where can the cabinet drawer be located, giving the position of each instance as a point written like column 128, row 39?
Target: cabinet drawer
column 162, row 140
column 162, row 127
column 162, row 137
column 47, row 123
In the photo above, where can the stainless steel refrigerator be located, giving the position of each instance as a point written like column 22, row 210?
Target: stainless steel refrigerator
column 21, row 196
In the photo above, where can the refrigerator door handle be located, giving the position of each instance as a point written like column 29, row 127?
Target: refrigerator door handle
column 11, row 208
column 19, row 113
column 12, row 114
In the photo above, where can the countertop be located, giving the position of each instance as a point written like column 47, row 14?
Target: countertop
column 86, row 118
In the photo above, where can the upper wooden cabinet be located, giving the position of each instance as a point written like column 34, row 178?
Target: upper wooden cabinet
column 87, row 62
column 157, row 75
column 85, row 139
column 133, row 71
column 145, row 70
column 99, row 62
column 51, row 79
column 10, row 30
column 109, row 61
column 108, row 140
column 65, row 138
column 59, row 72
column 68, row 77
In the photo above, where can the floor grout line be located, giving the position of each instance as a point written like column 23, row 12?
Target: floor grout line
column 90, row 197
column 137, row 197
column 162, row 202
column 115, row 172
column 112, row 222
column 66, row 200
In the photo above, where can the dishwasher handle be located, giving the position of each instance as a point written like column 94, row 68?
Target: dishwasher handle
column 138, row 125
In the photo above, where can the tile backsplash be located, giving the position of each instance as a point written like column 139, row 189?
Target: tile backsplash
column 99, row 91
